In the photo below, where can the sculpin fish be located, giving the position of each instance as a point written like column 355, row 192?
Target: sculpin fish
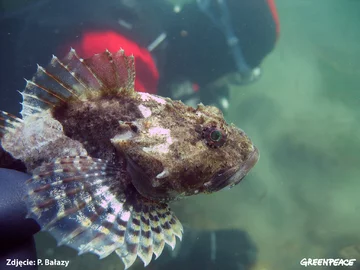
column 106, row 160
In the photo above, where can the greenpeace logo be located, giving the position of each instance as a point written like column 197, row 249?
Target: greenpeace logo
column 327, row 262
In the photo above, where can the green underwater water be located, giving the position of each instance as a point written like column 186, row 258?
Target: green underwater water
column 302, row 200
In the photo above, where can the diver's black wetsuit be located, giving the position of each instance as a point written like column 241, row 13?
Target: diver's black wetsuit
column 194, row 50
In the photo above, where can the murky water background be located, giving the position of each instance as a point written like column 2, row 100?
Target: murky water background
column 302, row 199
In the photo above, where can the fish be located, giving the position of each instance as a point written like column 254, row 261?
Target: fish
column 106, row 160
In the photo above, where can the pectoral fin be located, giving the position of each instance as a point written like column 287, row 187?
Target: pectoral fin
column 80, row 202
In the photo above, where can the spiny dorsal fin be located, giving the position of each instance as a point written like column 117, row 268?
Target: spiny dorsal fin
column 8, row 123
column 77, row 78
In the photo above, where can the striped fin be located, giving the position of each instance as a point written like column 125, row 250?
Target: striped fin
column 80, row 201
column 149, row 228
column 78, row 79
column 8, row 123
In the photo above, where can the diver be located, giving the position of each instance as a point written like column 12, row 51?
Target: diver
column 184, row 52
column 189, row 52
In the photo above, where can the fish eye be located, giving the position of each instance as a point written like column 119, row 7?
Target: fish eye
column 214, row 137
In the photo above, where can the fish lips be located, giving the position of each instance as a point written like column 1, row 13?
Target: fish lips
column 234, row 175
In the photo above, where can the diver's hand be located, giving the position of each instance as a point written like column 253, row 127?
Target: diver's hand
column 16, row 232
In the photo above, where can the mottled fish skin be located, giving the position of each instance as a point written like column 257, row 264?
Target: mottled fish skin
column 105, row 160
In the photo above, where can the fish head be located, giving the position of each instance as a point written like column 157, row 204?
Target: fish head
column 179, row 151
column 222, row 155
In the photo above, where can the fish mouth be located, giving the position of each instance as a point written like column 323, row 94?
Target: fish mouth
column 245, row 168
column 234, row 175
